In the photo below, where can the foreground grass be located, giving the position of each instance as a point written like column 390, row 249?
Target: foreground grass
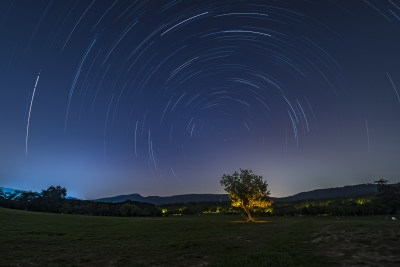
column 29, row 238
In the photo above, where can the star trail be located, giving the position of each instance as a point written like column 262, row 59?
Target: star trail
column 163, row 97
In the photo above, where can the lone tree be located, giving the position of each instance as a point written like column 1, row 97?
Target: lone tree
column 388, row 196
column 247, row 191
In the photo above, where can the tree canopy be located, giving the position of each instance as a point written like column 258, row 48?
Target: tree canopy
column 388, row 196
column 247, row 191
column 54, row 193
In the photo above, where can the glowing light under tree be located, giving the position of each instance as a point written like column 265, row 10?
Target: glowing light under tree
column 247, row 191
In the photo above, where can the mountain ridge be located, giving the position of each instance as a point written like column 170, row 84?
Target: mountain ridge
column 157, row 200
column 324, row 193
column 333, row 192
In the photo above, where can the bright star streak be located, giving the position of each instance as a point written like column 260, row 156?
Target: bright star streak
column 394, row 87
column 366, row 127
column 29, row 114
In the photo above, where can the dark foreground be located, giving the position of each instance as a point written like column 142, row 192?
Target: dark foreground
column 37, row 239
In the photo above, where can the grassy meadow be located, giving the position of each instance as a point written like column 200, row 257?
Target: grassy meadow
column 37, row 239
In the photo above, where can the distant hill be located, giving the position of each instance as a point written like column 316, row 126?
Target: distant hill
column 166, row 200
column 336, row 192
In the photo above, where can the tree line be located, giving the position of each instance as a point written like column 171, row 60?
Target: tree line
column 249, row 192
column 386, row 201
column 54, row 200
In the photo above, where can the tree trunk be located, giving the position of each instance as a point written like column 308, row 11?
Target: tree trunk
column 249, row 218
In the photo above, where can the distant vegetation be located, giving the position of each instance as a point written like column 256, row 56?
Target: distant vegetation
column 54, row 200
column 157, row 200
column 333, row 192
column 384, row 202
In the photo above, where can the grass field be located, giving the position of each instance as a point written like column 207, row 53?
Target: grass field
column 37, row 239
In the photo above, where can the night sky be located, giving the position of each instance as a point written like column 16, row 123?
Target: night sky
column 163, row 97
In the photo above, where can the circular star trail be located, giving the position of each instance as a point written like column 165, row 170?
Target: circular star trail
column 162, row 97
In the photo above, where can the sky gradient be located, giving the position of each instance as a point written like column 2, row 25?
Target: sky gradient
column 163, row 97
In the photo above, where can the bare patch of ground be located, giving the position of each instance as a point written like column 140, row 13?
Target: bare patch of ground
column 359, row 245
